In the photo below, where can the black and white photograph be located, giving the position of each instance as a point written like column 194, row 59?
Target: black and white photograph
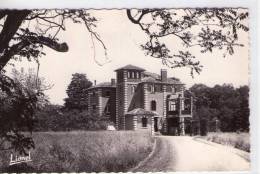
column 125, row 90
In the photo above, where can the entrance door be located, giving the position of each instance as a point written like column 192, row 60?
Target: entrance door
column 155, row 124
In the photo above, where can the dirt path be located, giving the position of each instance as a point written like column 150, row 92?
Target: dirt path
column 187, row 154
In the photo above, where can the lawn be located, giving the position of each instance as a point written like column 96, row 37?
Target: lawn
column 82, row 151
column 237, row 140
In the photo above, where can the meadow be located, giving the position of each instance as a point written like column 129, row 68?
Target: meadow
column 237, row 140
column 84, row 151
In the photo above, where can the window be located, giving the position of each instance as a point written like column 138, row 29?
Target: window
column 173, row 89
column 151, row 88
column 137, row 75
column 144, row 122
column 182, row 104
column 108, row 108
column 157, row 88
column 107, row 93
column 172, row 105
column 94, row 107
column 168, row 89
column 153, row 105
column 133, row 75
column 128, row 74
column 133, row 88
column 94, row 93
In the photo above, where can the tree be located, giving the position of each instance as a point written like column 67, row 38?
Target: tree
column 201, row 94
column 33, row 83
column 20, row 97
column 76, row 91
column 242, row 114
column 17, row 110
column 224, row 103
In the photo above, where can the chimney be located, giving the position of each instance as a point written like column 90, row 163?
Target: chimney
column 113, row 82
column 95, row 82
column 163, row 75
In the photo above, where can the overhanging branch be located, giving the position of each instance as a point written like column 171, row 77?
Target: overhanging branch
column 60, row 47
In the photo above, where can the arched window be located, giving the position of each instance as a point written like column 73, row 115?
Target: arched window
column 144, row 122
column 153, row 105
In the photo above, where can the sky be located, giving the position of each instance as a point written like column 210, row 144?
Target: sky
column 123, row 39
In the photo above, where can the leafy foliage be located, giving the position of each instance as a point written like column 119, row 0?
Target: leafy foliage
column 16, row 114
column 20, row 97
column 76, row 91
column 225, row 103
column 31, row 82
column 55, row 118
column 208, row 29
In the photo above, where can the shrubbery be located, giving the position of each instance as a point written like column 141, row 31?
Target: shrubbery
column 237, row 140
column 54, row 118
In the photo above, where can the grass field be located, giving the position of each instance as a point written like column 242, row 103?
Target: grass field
column 237, row 140
column 101, row 151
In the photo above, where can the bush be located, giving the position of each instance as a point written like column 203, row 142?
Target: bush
column 53, row 118
column 237, row 140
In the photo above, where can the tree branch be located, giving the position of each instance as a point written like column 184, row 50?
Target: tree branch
column 11, row 25
column 143, row 12
column 3, row 13
column 60, row 47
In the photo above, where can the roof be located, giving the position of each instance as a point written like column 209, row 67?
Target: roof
column 142, row 112
column 130, row 67
column 156, row 78
column 153, row 75
column 103, row 85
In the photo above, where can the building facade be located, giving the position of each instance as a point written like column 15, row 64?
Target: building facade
column 140, row 100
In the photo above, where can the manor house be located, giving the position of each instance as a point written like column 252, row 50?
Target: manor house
column 141, row 100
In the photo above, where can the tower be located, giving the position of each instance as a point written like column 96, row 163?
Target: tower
column 127, row 79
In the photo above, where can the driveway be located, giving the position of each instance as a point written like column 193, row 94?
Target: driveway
column 185, row 153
